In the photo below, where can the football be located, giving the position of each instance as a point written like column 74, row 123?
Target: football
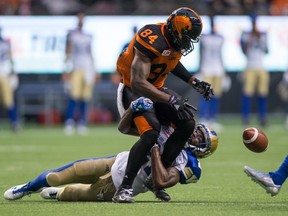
column 255, row 140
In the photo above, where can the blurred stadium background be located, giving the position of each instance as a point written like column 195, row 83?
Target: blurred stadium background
column 37, row 30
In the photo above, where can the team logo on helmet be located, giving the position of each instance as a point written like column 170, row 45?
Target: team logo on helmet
column 207, row 146
column 185, row 27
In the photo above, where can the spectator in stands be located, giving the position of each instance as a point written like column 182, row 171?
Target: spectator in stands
column 278, row 7
column 79, row 77
column 8, row 81
column 255, row 77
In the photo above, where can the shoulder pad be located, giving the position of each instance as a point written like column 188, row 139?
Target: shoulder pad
column 152, row 36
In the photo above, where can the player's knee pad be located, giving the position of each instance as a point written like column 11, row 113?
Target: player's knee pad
column 53, row 179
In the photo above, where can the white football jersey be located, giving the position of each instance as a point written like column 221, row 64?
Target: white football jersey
column 256, row 47
column 187, row 165
column 81, row 53
column 5, row 66
column 211, row 63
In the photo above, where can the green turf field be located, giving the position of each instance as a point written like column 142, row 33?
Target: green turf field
column 223, row 189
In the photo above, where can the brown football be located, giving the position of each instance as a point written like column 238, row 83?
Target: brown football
column 255, row 140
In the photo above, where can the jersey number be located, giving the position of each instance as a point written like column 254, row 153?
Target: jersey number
column 147, row 33
column 157, row 70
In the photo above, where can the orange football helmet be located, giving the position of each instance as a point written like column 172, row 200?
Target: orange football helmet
column 185, row 27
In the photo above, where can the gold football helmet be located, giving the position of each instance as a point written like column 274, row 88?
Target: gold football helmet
column 208, row 141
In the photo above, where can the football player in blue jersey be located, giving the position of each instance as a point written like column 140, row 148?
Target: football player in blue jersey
column 96, row 179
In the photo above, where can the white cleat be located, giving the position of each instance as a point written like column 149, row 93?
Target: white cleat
column 82, row 130
column 123, row 195
column 17, row 192
column 50, row 193
column 264, row 180
column 69, row 130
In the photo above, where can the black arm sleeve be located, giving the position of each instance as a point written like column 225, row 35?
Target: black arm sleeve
column 181, row 72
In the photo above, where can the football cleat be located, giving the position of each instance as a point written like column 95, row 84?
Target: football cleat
column 82, row 129
column 264, row 180
column 50, row 193
column 159, row 193
column 123, row 195
column 17, row 192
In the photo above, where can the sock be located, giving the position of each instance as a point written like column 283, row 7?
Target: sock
column 262, row 108
column 203, row 108
column 38, row 182
column 12, row 114
column 71, row 109
column 214, row 107
column 281, row 174
column 246, row 103
column 83, row 112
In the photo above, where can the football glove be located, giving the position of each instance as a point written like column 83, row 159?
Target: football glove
column 182, row 108
column 141, row 104
column 204, row 88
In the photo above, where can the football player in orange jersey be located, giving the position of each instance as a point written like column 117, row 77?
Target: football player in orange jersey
column 153, row 53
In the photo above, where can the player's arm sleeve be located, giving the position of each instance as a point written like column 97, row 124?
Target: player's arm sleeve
column 181, row 72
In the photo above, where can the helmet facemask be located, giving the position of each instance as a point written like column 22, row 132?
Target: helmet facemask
column 185, row 27
column 207, row 141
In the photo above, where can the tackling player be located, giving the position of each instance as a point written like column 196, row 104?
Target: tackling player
column 8, row 81
column 98, row 178
column 153, row 53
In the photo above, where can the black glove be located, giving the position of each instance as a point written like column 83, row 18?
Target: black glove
column 182, row 107
column 204, row 88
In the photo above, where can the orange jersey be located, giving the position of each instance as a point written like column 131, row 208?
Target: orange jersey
column 152, row 43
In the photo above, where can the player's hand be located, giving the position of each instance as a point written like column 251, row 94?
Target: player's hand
column 182, row 107
column 141, row 104
column 204, row 88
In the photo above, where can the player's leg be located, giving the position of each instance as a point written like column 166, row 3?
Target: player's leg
column 102, row 190
column 148, row 127
column 86, row 95
column 183, row 129
column 73, row 98
column 85, row 171
column 272, row 181
column 216, row 82
column 280, row 176
column 249, row 82
column 263, row 90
